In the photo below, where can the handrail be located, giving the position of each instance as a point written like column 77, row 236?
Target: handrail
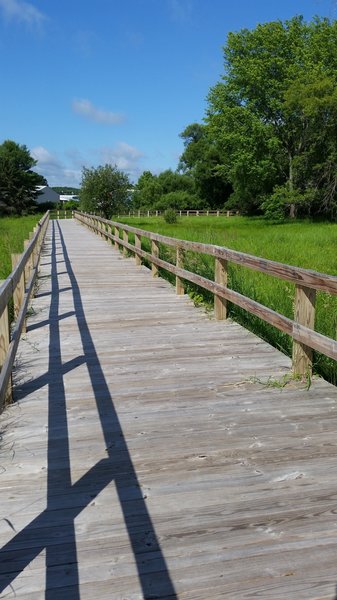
column 306, row 281
column 19, row 286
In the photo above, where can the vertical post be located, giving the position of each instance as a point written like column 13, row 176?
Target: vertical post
column 110, row 233
column 19, row 291
column 207, row 214
column 4, row 345
column 180, row 213
column 155, row 253
column 228, row 213
column 125, row 239
column 148, row 213
column 221, row 277
column 28, row 267
column 188, row 213
column 58, row 213
column 180, row 290
column 156, row 213
column 304, row 313
column 117, row 236
column 217, row 213
column 138, row 244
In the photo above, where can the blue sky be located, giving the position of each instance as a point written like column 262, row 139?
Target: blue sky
column 85, row 83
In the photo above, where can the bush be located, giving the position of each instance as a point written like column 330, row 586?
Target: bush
column 170, row 216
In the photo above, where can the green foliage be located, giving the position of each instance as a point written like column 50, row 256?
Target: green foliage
column 13, row 232
column 276, row 207
column 168, row 189
column 104, row 190
column 273, row 117
column 17, row 181
column 201, row 159
column 170, row 216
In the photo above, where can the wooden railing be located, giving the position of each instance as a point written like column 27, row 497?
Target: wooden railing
column 17, row 288
column 307, row 282
column 60, row 214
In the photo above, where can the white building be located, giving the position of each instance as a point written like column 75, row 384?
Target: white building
column 46, row 194
column 68, row 197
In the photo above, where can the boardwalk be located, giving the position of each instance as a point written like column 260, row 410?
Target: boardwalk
column 146, row 460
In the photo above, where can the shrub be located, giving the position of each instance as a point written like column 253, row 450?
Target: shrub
column 170, row 216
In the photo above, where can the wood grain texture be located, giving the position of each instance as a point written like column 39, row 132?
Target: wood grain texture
column 144, row 458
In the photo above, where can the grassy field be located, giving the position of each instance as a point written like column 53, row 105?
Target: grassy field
column 302, row 243
column 13, row 232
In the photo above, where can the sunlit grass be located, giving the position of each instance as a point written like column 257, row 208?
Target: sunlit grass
column 13, row 232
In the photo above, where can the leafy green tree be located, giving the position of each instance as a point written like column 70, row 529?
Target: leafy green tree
column 18, row 182
column 273, row 114
column 201, row 160
column 169, row 189
column 147, row 191
column 104, row 190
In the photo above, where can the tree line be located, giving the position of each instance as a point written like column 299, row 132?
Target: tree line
column 267, row 143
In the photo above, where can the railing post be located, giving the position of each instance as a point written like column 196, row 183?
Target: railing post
column 155, row 253
column 110, row 233
column 19, row 291
column 125, row 239
column 221, row 277
column 117, row 236
column 4, row 345
column 138, row 244
column 180, row 290
column 304, row 314
column 217, row 213
column 28, row 267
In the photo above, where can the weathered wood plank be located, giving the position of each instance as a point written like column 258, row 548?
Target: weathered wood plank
column 132, row 402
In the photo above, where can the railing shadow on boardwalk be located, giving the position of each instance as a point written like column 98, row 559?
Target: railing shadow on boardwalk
column 53, row 530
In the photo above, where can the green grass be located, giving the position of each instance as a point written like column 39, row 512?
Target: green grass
column 300, row 243
column 13, row 232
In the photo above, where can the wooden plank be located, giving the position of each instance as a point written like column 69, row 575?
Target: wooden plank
column 304, row 314
column 153, row 257
column 19, row 291
column 180, row 290
column 230, row 470
column 4, row 346
column 138, row 244
column 221, row 277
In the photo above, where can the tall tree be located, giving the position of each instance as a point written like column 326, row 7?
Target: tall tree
column 260, row 118
column 18, row 183
column 201, row 159
column 104, row 190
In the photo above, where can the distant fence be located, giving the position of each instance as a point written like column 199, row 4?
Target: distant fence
column 307, row 282
column 60, row 214
column 17, row 288
column 182, row 213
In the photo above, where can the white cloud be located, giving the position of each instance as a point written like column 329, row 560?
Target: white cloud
column 68, row 171
column 123, row 155
column 18, row 10
column 54, row 170
column 87, row 109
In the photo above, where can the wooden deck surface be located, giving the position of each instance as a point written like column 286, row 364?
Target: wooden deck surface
column 144, row 457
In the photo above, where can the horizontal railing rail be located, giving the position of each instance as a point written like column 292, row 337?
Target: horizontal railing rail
column 18, row 286
column 307, row 282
